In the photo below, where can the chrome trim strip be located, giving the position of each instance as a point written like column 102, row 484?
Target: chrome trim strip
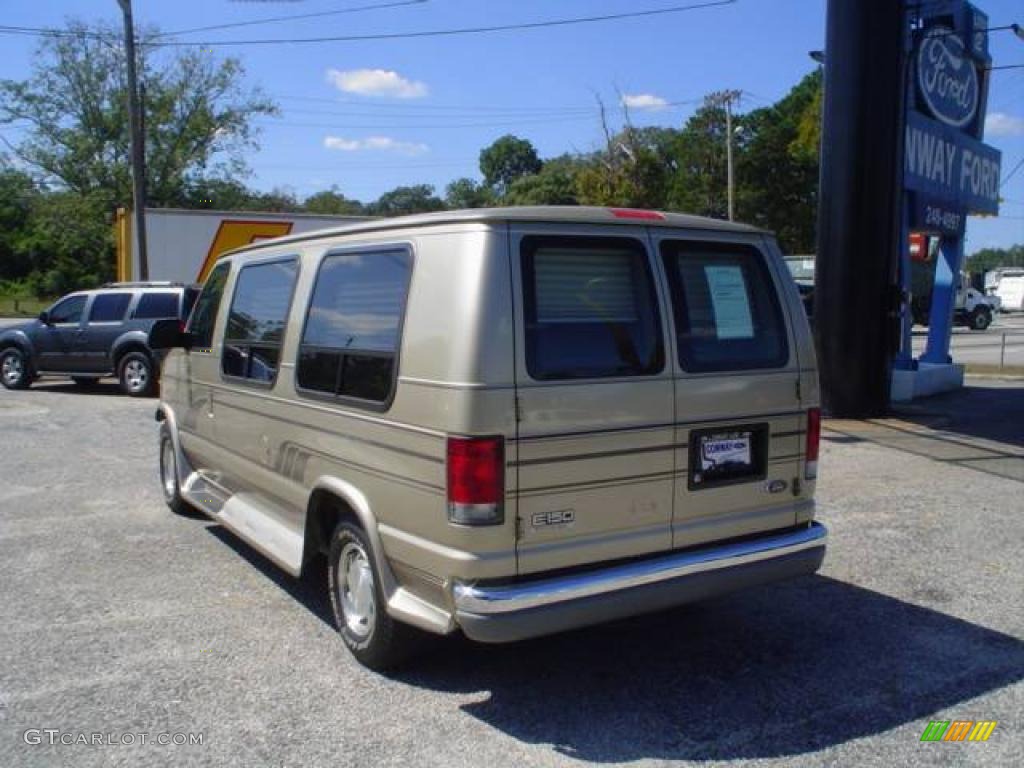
column 483, row 600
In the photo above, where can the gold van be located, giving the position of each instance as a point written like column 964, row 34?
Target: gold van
column 508, row 422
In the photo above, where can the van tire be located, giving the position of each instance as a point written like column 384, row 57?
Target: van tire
column 169, row 477
column 374, row 638
column 136, row 374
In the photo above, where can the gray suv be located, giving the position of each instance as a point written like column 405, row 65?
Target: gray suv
column 90, row 334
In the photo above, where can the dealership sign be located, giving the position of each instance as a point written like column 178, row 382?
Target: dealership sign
column 947, row 77
column 946, row 164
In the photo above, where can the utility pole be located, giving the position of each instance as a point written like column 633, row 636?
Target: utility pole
column 138, row 154
column 724, row 100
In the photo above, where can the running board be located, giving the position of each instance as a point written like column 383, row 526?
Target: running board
column 250, row 517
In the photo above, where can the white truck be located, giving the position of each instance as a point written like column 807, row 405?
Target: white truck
column 183, row 245
column 1008, row 285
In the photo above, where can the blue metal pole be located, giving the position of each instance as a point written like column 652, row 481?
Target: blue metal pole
column 947, row 278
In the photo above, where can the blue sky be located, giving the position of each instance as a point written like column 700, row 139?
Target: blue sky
column 368, row 116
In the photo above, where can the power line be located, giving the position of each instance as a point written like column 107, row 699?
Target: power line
column 1009, row 176
column 461, row 30
column 297, row 17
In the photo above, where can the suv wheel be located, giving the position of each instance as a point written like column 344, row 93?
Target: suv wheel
column 135, row 372
column 981, row 318
column 374, row 638
column 14, row 370
column 169, row 476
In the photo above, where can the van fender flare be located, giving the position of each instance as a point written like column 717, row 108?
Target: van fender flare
column 165, row 417
column 356, row 501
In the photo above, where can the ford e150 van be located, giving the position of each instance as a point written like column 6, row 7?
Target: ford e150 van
column 509, row 422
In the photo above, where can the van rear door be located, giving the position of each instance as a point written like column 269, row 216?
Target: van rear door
column 594, row 397
column 737, row 395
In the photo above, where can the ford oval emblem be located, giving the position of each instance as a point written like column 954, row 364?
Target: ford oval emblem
column 946, row 77
column 775, row 486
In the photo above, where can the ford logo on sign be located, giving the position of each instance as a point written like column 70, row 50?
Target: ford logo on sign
column 947, row 77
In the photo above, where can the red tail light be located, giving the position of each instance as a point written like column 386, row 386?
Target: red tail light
column 636, row 213
column 476, row 480
column 813, row 443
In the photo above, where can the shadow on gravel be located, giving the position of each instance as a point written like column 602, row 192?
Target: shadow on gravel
column 310, row 590
column 62, row 387
column 991, row 413
column 783, row 670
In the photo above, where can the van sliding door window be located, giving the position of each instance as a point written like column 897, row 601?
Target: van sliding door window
column 204, row 314
column 256, row 322
column 353, row 325
column 591, row 308
column 726, row 309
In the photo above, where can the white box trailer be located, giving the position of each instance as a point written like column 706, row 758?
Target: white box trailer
column 1008, row 284
column 183, row 245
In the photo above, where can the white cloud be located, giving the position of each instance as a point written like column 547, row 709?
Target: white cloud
column 1002, row 124
column 375, row 144
column 376, row 82
column 643, row 101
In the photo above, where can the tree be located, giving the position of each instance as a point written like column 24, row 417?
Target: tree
column 331, row 202
column 777, row 167
column 506, row 160
column 198, row 116
column 992, row 258
column 17, row 194
column 698, row 184
column 405, row 200
column 467, row 193
column 554, row 185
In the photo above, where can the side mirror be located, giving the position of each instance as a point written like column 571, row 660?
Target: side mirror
column 169, row 334
column 44, row 317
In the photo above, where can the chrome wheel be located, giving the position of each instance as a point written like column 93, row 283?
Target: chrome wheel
column 12, row 369
column 356, row 591
column 167, row 469
column 136, row 375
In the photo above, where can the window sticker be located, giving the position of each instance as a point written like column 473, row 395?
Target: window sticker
column 731, row 303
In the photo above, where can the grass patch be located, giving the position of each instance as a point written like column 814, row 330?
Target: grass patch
column 22, row 306
column 995, row 370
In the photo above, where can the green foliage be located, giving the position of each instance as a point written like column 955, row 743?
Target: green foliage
column 555, row 184
column 467, row 193
column 331, row 202
column 992, row 258
column 777, row 167
column 507, row 159
column 405, row 200
column 198, row 117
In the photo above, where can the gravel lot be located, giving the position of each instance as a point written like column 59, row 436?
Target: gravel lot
column 119, row 617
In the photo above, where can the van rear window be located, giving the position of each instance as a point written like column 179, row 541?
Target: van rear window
column 726, row 310
column 591, row 308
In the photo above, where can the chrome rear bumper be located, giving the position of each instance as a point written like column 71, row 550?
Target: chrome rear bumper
column 507, row 612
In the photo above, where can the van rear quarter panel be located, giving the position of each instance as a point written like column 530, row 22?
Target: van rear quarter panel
column 455, row 376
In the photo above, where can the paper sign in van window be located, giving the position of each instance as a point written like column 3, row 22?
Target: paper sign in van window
column 730, row 301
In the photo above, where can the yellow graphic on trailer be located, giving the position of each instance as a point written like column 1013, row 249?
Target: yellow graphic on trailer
column 234, row 233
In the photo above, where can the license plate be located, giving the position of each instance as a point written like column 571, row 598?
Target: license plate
column 724, row 456
column 720, row 452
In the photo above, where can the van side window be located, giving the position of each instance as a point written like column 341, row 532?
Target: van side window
column 590, row 307
column 351, row 338
column 726, row 309
column 109, row 307
column 204, row 314
column 256, row 321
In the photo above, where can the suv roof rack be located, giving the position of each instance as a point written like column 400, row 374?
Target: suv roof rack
column 145, row 284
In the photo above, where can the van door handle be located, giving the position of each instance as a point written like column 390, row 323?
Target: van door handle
column 209, row 405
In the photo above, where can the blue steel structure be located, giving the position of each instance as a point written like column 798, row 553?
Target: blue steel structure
column 948, row 171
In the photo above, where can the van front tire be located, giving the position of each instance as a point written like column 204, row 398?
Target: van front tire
column 360, row 613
